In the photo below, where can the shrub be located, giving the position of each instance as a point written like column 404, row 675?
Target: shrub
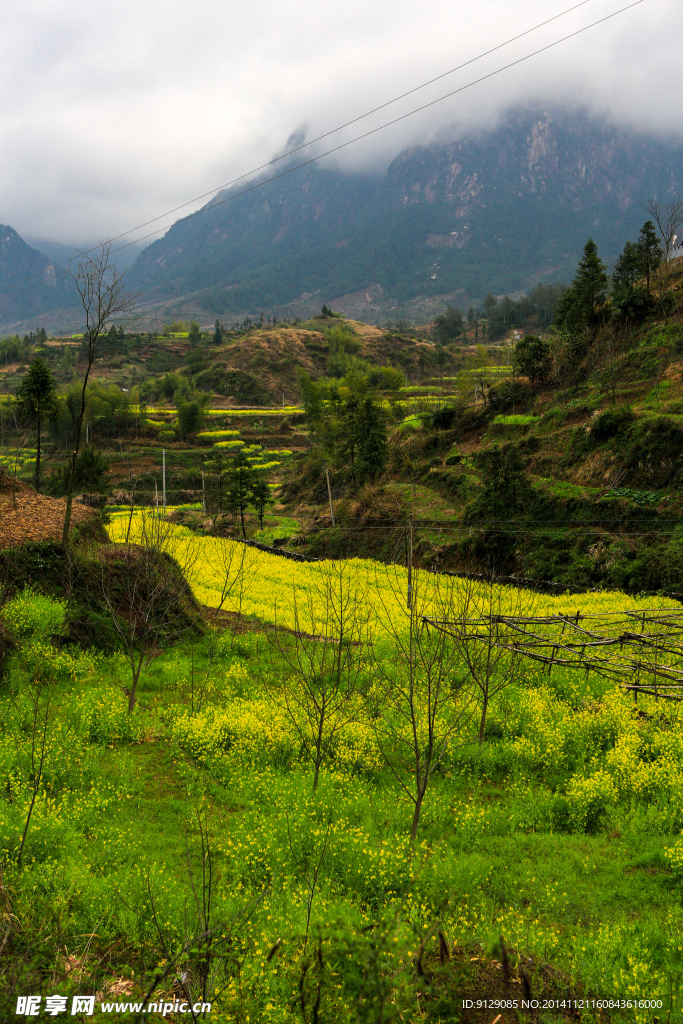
column 611, row 422
column 443, row 419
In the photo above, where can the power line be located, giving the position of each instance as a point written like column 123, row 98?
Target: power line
column 319, row 138
column 364, row 135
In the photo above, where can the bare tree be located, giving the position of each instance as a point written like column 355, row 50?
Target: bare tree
column 612, row 371
column 232, row 567
column 668, row 217
column 481, row 636
column 141, row 585
column 42, row 743
column 132, row 484
column 211, row 956
column 424, row 698
column 322, row 663
column 19, row 434
column 101, row 292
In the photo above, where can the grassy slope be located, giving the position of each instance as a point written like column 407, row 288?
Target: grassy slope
column 590, row 913
column 629, row 477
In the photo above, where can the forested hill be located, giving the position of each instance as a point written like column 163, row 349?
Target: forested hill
column 493, row 212
column 29, row 282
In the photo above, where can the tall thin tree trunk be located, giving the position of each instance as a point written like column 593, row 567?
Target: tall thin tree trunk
column 38, row 458
column 482, row 724
column 416, row 815
column 136, row 676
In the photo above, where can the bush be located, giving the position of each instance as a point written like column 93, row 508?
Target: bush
column 509, row 394
column 631, row 305
column 533, row 358
column 92, row 471
column 443, row 419
column 611, row 422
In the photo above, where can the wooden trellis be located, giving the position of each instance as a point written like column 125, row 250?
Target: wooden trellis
column 642, row 650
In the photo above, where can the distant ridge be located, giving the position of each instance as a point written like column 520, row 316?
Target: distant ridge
column 38, row 288
column 494, row 211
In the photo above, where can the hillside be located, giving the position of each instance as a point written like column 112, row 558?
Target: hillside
column 497, row 211
column 30, row 285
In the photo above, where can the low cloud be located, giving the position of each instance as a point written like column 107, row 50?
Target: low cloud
column 115, row 113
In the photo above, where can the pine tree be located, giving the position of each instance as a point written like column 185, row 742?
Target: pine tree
column 579, row 307
column 649, row 251
column 628, row 266
column 241, row 480
column 194, row 334
column 372, row 451
column 38, row 401
column 590, row 283
column 217, row 333
column 260, row 497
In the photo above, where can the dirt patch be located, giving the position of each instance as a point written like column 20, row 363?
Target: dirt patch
column 31, row 516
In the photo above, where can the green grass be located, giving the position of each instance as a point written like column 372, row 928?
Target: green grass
column 519, row 420
column 501, row 848
column 276, row 528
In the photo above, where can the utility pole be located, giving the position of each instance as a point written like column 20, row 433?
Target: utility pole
column 163, row 454
column 329, row 494
column 410, row 562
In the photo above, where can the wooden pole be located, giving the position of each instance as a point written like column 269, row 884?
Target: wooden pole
column 163, row 484
column 329, row 495
column 203, row 493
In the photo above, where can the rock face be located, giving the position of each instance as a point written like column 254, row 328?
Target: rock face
column 30, row 284
column 496, row 211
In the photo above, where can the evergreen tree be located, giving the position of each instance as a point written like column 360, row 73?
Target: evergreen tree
column 627, row 268
column 490, row 303
column 38, row 402
column 590, row 283
column 241, row 480
column 217, row 333
column 579, row 307
column 260, row 497
column 190, row 418
column 372, row 451
column 506, row 485
column 349, row 426
column 90, row 475
column 194, row 334
column 649, row 251
column 448, row 326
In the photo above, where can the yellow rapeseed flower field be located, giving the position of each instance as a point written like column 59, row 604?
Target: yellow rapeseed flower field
column 381, row 589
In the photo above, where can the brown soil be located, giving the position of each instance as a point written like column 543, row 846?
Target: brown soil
column 33, row 516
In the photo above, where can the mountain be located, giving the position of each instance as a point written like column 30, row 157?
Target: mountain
column 30, row 284
column 496, row 211
column 58, row 252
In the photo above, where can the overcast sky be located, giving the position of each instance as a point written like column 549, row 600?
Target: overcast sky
column 112, row 113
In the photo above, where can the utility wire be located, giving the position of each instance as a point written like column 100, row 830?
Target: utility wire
column 319, row 138
column 364, row 135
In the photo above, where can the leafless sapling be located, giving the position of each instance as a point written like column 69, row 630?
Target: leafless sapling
column 103, row 297
column 322, row 661
column 482, row 639
column 424, row 699
column 138, row 585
